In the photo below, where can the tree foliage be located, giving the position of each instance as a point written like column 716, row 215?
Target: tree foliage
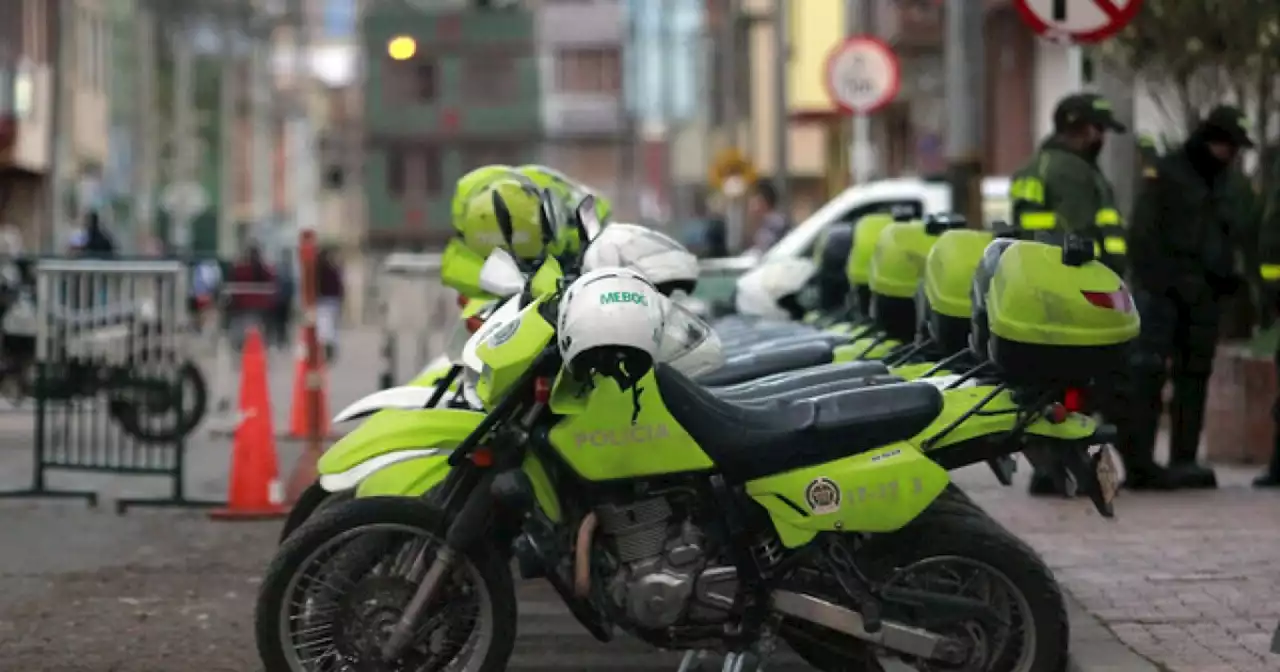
column 1193, row 54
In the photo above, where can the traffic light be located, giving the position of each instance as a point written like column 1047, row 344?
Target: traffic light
column 402, row 48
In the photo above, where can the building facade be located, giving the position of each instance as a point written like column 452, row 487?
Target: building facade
column 580, row 58
column 463, row 91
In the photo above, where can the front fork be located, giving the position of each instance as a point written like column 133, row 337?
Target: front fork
column 467, row 528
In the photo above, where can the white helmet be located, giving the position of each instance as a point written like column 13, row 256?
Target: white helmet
column 689, row 344
column 657, row 256
column 610, row 323
column 771, row 290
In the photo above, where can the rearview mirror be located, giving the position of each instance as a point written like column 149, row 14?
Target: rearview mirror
column 587, row 220
column 503, row 215
column 547, row 216
column 501, row 275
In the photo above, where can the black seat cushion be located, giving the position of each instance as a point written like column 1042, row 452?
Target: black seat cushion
column 803, row 378
column 742, row 368
column 749, row 440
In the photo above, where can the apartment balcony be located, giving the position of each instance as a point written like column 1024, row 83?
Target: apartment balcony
column 580, row 23
column 582, row 115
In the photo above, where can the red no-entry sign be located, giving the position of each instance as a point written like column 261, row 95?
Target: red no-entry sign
column 1078, row 21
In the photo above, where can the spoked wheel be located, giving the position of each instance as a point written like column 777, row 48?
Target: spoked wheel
column 965, row 556
column 341, row 582
column 147, row 409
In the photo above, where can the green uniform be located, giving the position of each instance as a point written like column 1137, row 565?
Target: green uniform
column 1071, row 186
column 1269, row 277
column 1189, row 235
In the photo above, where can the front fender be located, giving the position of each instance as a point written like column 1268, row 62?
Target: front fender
column 415, row 475
column 404, row 398
column 391, row 431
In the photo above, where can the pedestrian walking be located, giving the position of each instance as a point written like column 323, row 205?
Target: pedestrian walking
column 1189, row 238
column 769, row 224
column 1063, row 178
column 329, row 294
column 252, row 297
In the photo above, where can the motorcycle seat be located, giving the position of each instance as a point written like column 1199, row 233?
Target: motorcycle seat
column 804, row 378
column 741, row 368
column 750, row 440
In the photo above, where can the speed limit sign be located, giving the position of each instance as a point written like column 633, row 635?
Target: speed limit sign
column 862, row 75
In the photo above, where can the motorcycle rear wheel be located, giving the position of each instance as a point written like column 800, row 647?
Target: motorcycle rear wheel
column 357, row 524
column 948, row 533
column 142, row 424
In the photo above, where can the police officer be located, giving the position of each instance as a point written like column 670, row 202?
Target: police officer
column 1269, row 270
column 1188, row 240
column 1063, row 177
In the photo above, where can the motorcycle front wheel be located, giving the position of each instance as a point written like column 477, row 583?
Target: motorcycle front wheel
column 312, row 500
column 962, row 554
column 340, row 582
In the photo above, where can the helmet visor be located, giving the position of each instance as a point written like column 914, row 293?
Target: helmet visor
column 688, row 342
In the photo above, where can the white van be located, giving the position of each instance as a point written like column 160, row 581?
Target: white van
column 909, row 195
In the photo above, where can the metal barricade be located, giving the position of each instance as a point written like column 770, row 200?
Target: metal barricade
column 115, row 387
column 416, row 307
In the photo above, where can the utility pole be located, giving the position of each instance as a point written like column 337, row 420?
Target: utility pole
column 262, row 136
column 860, row 20
column 146, row 166
column 965, row 93
column 229, row 88
column 781, row 146
column 184, row 138
column 668, row 41
column 1119, row 155
column 732, row 79
column 302, row 155
column 61, row 127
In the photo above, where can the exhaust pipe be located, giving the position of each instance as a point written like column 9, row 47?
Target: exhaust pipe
column 895, row 636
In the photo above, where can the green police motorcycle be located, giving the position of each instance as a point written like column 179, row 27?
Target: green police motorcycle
column 654, row 505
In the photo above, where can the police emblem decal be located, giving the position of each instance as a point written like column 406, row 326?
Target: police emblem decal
column 823, row 496
column 503, row 333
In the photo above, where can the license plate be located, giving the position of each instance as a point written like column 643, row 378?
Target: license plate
column 1108, row 474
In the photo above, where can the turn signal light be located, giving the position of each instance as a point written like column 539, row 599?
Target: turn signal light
column 482, row 457
column 542, row 390
column 1073, row 400
column 462, row 301
column 474, row 323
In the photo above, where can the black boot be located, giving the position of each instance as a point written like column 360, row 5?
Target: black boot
column 1044, row 485
column 1137, row 424
column 1271, row 477
column 1186, row 420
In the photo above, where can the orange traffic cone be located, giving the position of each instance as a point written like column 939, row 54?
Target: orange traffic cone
column 298, row 413
column 254, row 492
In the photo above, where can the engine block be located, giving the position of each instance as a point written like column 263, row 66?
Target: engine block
column 661, row 563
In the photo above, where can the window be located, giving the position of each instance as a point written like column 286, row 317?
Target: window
column 490, row 79
column 589, row 70
column 425, row 83
column 413, row 81
column 596, row 164
column 395, row 172
column 479, row 154
column 432, row 169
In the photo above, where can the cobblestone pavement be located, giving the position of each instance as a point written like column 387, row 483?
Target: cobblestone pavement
column 1189, row 580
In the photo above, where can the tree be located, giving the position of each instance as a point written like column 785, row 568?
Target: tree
column 1193, row 55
